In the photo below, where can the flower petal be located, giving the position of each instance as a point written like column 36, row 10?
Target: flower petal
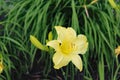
column 1, row 67
column 81, row 44
column 65, row 33
column 61, row 31
column 76, row 60
column 60, row 60
column 70, row 33
column 117, row 51
column 54, row 44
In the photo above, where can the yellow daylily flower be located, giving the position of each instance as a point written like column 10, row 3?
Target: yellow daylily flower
column 117, row 51
column 1, row 67
column 68, row 46
column 1, row 63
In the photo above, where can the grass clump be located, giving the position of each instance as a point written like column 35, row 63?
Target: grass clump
column 98, row 20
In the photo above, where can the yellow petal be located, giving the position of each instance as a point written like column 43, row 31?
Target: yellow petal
column 60, row 60
column 38, row 44
column 76, row 60
column 70, row 34
column 65, row 33
column 1, row 67
column 54, row 44
column 81, row 44
column 61, row 31
column 117, row 51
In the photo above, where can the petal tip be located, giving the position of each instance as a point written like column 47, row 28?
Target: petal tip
column 56, row 67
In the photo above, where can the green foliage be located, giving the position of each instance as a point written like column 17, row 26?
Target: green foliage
column 22, row 18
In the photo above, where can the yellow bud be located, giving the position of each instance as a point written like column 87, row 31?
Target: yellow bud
column 50, row 36
column 37, row 43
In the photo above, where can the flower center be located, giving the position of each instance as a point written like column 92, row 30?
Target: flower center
column 67, row 47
